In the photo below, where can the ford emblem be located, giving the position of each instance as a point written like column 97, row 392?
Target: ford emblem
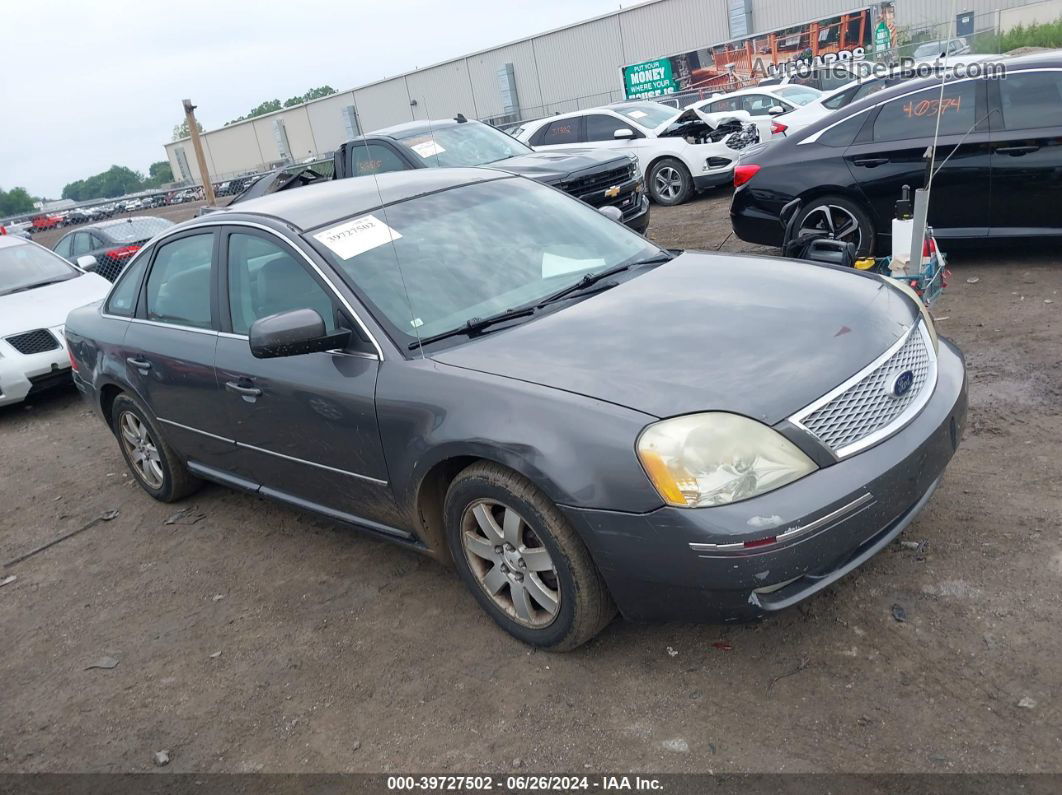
column 901, row 384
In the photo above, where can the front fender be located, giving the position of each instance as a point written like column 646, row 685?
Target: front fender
column 579, row 451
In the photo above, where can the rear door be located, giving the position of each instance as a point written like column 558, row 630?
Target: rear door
column 566, row 133
column 170, row 346
column 305, row 426
column 890, row 153
column 1027, row 153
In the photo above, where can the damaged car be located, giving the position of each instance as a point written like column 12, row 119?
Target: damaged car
column 680, row 151
column 447, row 359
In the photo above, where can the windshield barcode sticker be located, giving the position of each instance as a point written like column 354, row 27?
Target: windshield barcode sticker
column 427, row 149
column 358, row 236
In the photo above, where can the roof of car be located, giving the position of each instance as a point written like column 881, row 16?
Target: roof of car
column 6, row 241
column 315, row 205
column 411, row 128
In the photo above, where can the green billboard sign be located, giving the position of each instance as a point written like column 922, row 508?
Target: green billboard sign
column 649, row 79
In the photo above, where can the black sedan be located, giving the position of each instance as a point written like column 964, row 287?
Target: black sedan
column 478, row 366
column 106, row 247
column 999, row 161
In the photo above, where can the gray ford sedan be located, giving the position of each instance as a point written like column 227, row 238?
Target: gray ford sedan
column 480, row 367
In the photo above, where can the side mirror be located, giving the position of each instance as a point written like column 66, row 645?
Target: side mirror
column 612, row 213
column 623, row 132
column 87, row 263
column 774, row 110
column 293, row 333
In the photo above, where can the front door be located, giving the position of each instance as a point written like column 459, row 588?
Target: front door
column 1027, row 154
column 890, row 153
column 169, row 348
column 305, row 425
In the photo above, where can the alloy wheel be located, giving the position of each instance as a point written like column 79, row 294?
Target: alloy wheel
column 667, row 182
column 141, row 449
column 838, row 222
column 510, row 563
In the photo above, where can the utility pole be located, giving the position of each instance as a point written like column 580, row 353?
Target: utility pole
column 197, row 145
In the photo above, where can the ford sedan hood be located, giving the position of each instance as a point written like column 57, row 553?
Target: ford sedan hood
column 758, row 336
column 47, row 307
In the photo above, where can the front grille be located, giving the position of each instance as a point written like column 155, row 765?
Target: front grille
column 868, row 406
column 33, row 342
column 578, row 186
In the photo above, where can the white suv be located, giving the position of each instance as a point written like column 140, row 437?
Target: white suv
column 678, row 151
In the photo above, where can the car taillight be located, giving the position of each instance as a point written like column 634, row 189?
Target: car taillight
column 743, row 174
column 777, row 127
column 122, row 252
column 73, row 361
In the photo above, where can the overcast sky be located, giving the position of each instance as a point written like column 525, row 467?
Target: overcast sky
column 85, row 85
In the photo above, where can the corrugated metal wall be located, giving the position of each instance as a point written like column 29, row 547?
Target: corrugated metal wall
column 567, row 69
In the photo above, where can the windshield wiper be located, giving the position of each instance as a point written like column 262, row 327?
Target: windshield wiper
column 477, row 324
column 35, row 285
column 591, row 279
column 470, row 327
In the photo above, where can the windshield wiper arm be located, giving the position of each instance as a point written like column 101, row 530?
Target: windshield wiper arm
column 470, row 327
column 35, row 285
column 593, row 278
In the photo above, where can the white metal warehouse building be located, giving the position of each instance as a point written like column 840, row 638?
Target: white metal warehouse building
column 574, row 67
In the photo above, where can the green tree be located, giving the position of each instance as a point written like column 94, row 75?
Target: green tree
column 181, row 130
column 159, row 173
column 15, row 201
column 115, row 181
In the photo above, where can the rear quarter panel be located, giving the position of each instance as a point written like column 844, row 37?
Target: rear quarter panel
column 96, row 344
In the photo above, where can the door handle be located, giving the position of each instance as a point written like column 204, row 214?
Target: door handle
column 245, row 391
column 871, row 162
column 143, row 365
column 1017, row 151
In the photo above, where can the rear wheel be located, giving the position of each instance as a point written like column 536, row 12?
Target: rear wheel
column 841, row 219
column 669, row 182
column 152, row 461
column 522, row 561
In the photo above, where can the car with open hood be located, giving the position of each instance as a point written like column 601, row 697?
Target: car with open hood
column 476, row 366
column 679, row 151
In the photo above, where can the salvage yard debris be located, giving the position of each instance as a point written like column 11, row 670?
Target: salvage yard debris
column 106, row 663
column 106, row 516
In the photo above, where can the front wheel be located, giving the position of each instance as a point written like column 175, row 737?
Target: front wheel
column 840, row 218
column 522, row 561
column 669, row 181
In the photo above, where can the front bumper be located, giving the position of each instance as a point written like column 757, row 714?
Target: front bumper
column 653, row 572
column 24, row 374
column 706, row 181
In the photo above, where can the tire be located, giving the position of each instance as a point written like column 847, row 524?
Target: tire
column 168, row 479
column 813, row 216
column 669, row 182
column 550, row 560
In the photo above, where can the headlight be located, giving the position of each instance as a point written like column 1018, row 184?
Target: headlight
column 927, row 318
column 716, row 458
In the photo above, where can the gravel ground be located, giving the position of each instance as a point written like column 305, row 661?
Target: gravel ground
column 250, row 637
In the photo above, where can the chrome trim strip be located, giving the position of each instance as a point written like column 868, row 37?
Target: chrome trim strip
column 196, row 430
column 178, row 326
column 229, row 222
column 311, row 463
column 903, row 418
column 793, row 532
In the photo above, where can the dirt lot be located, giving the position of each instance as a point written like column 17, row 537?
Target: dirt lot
column 258, row 638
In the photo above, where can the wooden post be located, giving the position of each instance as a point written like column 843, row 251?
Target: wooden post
column 197, row 145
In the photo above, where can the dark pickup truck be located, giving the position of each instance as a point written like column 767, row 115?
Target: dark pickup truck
column 598, row 178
